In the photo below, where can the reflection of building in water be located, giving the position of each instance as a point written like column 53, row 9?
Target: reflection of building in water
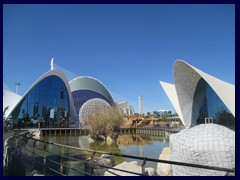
column 141, row 151
column 134, row 139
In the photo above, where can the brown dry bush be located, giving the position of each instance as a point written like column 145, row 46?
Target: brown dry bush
column 105, row 122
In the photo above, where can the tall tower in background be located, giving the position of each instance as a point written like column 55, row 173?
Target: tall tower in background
column 140, row 104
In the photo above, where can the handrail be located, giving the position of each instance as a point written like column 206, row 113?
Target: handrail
column 141, row 158
column 21, row 140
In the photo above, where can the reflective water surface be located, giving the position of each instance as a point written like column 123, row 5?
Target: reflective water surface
column 131, row 144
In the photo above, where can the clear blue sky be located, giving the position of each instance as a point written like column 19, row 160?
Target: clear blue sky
column 127, row 47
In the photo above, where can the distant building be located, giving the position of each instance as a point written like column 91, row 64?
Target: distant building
column 199, row 98
column 165, row 112
column 160, row 113
column 125, row 108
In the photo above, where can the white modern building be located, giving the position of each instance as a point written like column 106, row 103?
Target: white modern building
column 164, row 111
column 55, row 101
column 48, row 99
column 10, row 99
column 125, row 108
column 89, row 94
column 199, row 97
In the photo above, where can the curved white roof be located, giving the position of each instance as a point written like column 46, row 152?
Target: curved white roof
column 186, row 78
column 125, row 108
column 10, row 99
column 170, row 90
column 205, row 144
column 60, row 75
column 90, row 83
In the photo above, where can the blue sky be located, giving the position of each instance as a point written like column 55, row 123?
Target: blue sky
column 127, row 47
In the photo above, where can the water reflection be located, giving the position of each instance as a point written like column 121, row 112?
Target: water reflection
column 135, row 139
column 131, row 144
column 123, row 141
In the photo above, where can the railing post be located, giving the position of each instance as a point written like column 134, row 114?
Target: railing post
column 92, row 162
column 25, row 151
column 143, row 166
column 44, row 159
column 61, row 160
column 33, row 153
column 18, row 148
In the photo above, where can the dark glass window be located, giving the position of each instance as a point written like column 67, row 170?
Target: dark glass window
column 81, row 96
column 47, row 103
column 207, row 104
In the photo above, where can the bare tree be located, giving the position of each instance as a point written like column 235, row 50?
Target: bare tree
column 105, row 122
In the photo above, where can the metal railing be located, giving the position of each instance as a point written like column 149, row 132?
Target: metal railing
column 50, row 159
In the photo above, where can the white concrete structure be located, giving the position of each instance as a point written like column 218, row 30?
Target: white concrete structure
column 10, row 99
column 125, row 108
column 91, row 84
column 85, row 88
column 191, row 87
column 204, row 144
column 52, row 64
column 48, row 74
column 164, row 169
column 54, row 99
column 140, row 104
column 127, row 166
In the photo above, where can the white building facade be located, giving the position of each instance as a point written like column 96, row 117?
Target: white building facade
column 198, row 96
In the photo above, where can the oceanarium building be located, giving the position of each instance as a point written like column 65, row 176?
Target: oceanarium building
column 200, row 98
column 48, row 101
column 52, row 101
column 88, row 95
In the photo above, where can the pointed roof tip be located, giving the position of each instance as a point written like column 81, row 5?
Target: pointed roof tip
column 52, row 62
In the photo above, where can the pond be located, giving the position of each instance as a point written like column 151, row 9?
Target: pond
column 131, row 144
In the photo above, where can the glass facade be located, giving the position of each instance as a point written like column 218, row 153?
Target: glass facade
column 82, row 96
column 46, row 104
column 207, row 104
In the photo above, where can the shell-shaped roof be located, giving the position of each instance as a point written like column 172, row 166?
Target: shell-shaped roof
column 186, row 78
column 90, row 83
column 61, row 76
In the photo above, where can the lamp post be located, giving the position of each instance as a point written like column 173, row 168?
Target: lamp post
column 17, row 85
